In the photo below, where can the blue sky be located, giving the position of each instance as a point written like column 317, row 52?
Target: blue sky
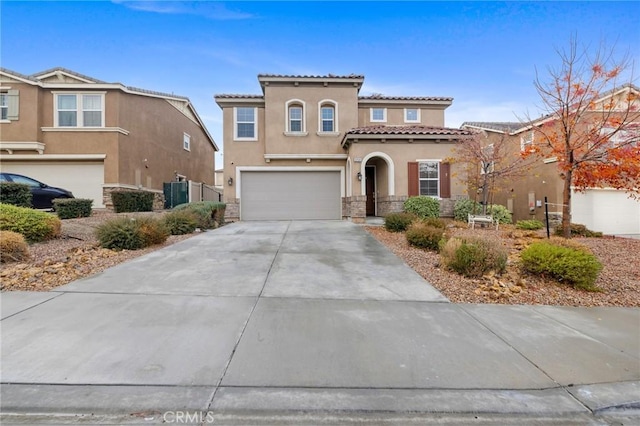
column 483, row 54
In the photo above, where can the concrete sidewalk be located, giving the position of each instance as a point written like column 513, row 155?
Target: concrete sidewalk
column 304, row 323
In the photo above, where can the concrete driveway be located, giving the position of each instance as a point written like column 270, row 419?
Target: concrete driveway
column 303, row 322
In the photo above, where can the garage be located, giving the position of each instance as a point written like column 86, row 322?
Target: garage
column 290, row 195
column 606, row 210
column 84, row 179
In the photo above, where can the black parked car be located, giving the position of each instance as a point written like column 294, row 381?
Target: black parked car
column 43, row 194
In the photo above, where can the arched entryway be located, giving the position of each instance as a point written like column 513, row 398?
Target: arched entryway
column 378, row 183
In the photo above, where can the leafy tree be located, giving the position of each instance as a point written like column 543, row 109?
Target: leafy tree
column 591, row 123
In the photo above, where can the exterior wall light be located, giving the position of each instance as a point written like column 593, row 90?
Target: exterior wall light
column 230, row 181
column 359, row 176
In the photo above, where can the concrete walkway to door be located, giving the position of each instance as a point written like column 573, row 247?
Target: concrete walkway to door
column 304, row 323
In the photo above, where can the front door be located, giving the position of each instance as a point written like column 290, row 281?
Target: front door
column 370, row 180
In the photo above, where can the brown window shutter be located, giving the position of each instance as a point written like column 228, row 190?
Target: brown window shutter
column 414, row 182
column 445, row 180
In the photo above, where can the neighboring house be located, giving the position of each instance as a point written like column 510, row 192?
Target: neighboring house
column 92, row 137
column 309, row 147
column 606, row 210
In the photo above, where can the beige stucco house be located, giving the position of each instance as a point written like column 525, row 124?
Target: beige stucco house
column 93, row 137
column 607, row 210
column 309, row 147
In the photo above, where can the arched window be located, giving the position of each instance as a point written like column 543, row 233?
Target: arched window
column 327, row 120
column 295, row 113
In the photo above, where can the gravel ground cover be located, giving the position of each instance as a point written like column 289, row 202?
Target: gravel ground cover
column 76, row 254
column 619, row 280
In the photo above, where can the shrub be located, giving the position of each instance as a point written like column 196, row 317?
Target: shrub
column 209, row 214
column 424, row 236
column 180, row 222
column 530, row 225
column 17, row 194
column 69, row 208
column 577, row 267
column 398, row 222
column 132, row 201
column 13, row 247
column 34, row 225
column 474, row 257
column 464, row 207
column 422, row 206
column 122, row 233
column 578, row 230
column 153, row 230
column 500, row 213
column 435, row 222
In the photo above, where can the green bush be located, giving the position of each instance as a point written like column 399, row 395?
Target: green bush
column 577, row 267
column 464, row 207
column 122, row 233
column 531, row 225
column 209, row 214
column 17, row 194
column 435, row 222
column 34, row 225
column 132, row 201
column 424, row 236
column 70, row 208
column 578, row 230
column 422, row 206
column 398, row 222
column 180, row 222
column 474, row 257
column 500, row 213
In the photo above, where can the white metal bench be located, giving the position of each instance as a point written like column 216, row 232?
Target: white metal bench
column 482, row 218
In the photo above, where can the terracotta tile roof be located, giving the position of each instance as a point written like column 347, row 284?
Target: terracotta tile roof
column 408, row 130
column 353, row 76
column 404, row 98
column 504, row 126
column 237, row 96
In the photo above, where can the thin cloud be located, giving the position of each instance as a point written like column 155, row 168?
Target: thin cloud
column 211, row 10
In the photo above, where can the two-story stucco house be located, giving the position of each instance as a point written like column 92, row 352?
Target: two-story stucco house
column 92, row 137
column 309, row 147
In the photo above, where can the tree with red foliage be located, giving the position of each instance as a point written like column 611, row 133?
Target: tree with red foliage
column 592, row 124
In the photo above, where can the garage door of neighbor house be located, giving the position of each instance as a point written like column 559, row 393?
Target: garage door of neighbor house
column 84, row 179
column 295, row 195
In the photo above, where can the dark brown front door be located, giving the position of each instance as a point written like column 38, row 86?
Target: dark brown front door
column 370, row 177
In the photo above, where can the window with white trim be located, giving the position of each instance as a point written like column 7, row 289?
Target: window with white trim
column 411, row 115
column 186, row 142
column 378, row 115
column 4, row 106
column 429, row 175
column 327, row 113
column 79, row 110
column 245, row 123
column 526, row 141
column 295, row 119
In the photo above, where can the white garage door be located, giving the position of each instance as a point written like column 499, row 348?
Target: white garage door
column 283, row 195
column 606, row 210
column 84, row 179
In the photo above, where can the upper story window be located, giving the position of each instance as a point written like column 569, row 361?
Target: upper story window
column 9, row 105
column 327, row 120
column 296, row 123
column 79, row 110
column 411, row 115
column 4, row 107
column 378, row 115
column 526, row 141
column 429, row 178
column 246, row 120
column 186, row 142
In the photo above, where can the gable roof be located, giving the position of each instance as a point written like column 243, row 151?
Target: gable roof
column 75, row 80
column 498, row 127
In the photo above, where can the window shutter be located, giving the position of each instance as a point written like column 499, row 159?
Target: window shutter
column 445, row 180
column 13, row 104
column 414, row 182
